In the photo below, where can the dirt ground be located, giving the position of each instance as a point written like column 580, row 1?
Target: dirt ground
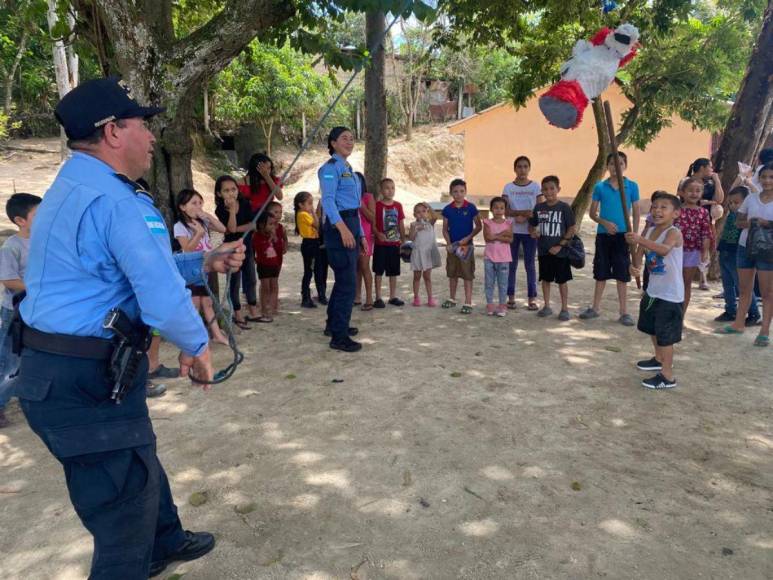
column 451, row 447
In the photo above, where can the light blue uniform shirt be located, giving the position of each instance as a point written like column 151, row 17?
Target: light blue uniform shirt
column 340, row 189
column 96, row 245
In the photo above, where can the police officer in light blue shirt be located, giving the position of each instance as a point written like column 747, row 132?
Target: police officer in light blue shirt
column 99, row 243
column 342, row 232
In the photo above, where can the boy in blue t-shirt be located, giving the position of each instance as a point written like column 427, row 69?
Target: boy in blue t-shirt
column 461, row 223
column 612, row 259
column 21, row 208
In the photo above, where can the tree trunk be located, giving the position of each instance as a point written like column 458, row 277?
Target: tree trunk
column 206, row 110
column 582, row 202
column 162, row 69
column 375, row 99
column 410, row 109
column 743, row 133
column 11, row 73
column 65, row 66
column 460, row 100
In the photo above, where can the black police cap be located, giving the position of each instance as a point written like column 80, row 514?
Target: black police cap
column 94, row 103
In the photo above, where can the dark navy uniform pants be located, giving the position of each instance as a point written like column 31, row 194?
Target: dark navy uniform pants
column 116, row 483
column 343, row 261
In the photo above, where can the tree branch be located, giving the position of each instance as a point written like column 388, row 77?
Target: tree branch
column 209, row 49
column 630, row 121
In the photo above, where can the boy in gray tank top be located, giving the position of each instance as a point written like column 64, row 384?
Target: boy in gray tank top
column 661, row 310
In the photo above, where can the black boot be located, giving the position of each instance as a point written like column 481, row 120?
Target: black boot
column 306, row 301
column 195, row 546
column 322, row 299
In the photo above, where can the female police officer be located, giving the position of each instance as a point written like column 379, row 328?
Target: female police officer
column 342, row 233
column 99, row 243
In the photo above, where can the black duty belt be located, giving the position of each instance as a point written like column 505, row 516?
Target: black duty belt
column 348, row 212
column 89, row 347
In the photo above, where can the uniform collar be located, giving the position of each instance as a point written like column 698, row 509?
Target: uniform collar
column 340, row 158
column 98, row 164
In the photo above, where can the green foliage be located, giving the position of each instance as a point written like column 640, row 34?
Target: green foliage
column 188, row 15
column 688, row 66
column 320, row 27
column 692, row 72
column 271, row 85
column 491, row 68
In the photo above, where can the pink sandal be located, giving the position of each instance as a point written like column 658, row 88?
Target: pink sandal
column 431, row 302
column 416, row 301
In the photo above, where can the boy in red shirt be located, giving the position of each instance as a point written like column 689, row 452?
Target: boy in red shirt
column 389, row 235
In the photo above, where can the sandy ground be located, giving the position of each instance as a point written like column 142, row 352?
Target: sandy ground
column 451, row 447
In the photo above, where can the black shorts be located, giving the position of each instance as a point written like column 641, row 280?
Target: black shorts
column 612, row 258
column 386, row 260
column 268, row 271
column 199, row 291
column 661, row 319
column 554, row 269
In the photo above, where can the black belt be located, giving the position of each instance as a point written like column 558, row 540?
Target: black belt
column 89, row 347
column 348, row 212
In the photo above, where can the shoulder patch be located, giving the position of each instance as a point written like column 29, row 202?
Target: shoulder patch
column 330, row 161
column 155, row 224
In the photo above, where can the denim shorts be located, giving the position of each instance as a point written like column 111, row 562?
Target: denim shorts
column 744, row 263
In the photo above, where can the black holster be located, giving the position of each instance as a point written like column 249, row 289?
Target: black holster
column 131, row 343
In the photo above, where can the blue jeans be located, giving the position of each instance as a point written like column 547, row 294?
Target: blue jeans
column 496, row 275
column 727, row 266
column 9, row 362
column 529, row 255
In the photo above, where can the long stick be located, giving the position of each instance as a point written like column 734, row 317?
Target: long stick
column 620, row 178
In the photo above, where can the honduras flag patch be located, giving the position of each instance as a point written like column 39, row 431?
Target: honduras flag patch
column 155, row 224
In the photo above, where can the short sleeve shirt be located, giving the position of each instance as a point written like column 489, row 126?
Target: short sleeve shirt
column 730, row 232
column 695, row 224
column 182, row 231
column 305, row 223
column 388, row 218
column 13, row 263
column 753, row 207
column 552, row 222
column 460, row 220
column 498, row 252
column 269, row 252
column 521, row 197
column 610, row 206
column 243, row 216
column 260, row 196
column 709, row 189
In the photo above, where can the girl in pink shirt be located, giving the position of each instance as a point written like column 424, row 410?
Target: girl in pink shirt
column 498, row 233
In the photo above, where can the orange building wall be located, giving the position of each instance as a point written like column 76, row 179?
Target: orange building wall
column 493, row 139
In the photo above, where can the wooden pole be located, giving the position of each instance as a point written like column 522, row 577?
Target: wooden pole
column 619, row 173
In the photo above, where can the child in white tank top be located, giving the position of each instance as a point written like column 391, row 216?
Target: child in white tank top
column 661, row 310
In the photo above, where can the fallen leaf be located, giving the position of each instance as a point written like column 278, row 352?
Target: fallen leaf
column 290, row 376
column 245, row 508
column 612, row 348
column 198, row 498
column 407, row 479
column 576, row 486
column 456, row 374
column 275, row 560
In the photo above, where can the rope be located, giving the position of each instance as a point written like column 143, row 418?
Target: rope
column 223, row 375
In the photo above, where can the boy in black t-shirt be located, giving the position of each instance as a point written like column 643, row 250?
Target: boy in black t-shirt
column 553, row 226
